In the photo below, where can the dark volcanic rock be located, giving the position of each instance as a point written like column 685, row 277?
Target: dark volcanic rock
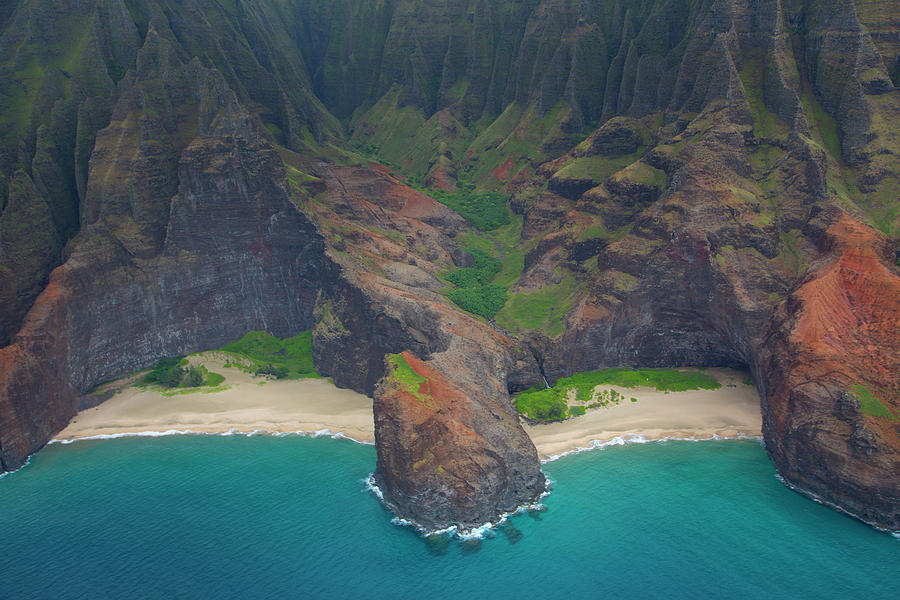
column 236, row 255
column 620, row 135
column 835, row 331
column 453, row 455
column 736, row 239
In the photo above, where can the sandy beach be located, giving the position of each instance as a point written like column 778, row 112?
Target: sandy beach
column 249, row 404
column 309, row 405
column 730, row 411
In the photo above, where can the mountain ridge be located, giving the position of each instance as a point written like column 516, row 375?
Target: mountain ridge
column 688, row 181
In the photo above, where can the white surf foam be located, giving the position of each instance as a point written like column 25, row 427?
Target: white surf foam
column 634, row 438
column 25, row 464
column 473, row 533
column 254, row 432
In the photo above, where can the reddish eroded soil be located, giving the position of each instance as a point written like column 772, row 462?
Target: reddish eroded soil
column 446, row 455
column 837, row 329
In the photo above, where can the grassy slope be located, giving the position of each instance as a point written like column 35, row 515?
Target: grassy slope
column 870, row 404
column 261, row 349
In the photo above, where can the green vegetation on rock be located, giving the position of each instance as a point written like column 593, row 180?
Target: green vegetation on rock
column 869, row 404
column 551, row 404
column 596, row 168
column 541, row 310
column 485, row 211
column 766, row 124
column 406, row 377
column 290, row 358
column 505, row 244
column 484, row 300
column 486, row 268
column 474, row 292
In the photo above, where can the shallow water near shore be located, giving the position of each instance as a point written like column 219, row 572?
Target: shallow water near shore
column 261, row 517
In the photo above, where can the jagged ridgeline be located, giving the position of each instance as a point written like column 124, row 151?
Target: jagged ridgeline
column 689, row 182
column 462, row 90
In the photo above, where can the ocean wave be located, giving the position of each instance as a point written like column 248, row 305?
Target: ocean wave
column 339, row 435
column 464, row 534
column 634, row 438
column 25, row 464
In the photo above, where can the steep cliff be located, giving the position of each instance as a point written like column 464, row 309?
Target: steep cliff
column 187, row 242
column 702, row 241
column 694, row 182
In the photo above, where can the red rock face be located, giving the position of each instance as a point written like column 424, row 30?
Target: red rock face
column 151, row 276
column 451, row 456
column 839, row 328
column 704, row 225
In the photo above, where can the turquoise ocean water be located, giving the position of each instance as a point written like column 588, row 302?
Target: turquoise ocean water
column 267, row 517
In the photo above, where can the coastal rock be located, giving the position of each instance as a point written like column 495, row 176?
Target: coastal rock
column 149, row 276
column 450, row 452
column 693, row 182
column 833, row 339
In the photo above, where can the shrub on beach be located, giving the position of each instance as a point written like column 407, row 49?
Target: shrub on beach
column 166, row 372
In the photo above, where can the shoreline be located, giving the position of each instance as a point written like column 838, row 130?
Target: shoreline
column 243, row 404
column 730, row 412
column 249, row 405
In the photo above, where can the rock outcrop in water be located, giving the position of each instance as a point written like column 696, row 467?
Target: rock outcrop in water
column 698, row 183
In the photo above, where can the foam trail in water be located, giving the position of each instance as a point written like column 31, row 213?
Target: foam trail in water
column 634, row 438
column 5, row 473
column 473, row 533
column 301, row 433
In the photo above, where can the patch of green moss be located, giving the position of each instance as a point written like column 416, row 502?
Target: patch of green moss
column 486, row 268
column 499, row 261
column 869, row 404
column 297, row 178
column 766, row 124
column 327, row 318
column 194, row 390
column 483, row 300
column 505, row 244
column 542, row 405
column 474, row 292
column 212, row 379
column 539, row 310
column 600, row 231
column 485, row 211
column 597, row 168
column 404, row 375
column 823, row 127
column 642, row 173
column 764, row 157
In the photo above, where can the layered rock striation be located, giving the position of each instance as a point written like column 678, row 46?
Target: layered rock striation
column 186, row 243
column 698, row 183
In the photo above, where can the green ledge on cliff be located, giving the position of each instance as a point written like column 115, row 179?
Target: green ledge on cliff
column 462, row 202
